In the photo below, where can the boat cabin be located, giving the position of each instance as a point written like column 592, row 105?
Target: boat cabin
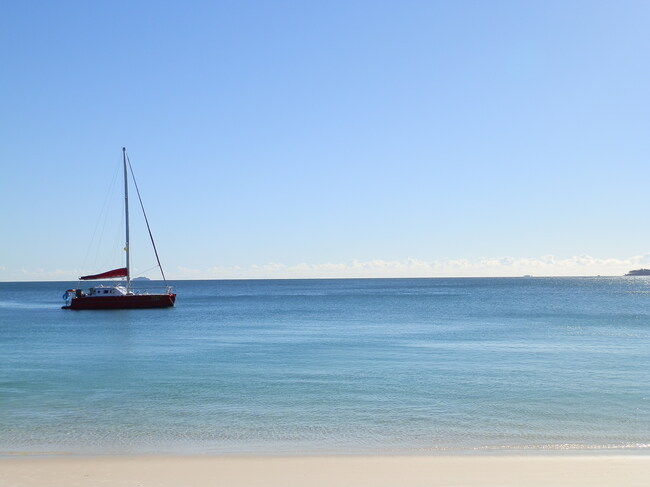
column 106, row 291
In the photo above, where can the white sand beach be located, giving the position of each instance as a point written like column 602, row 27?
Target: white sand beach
column 330, row 471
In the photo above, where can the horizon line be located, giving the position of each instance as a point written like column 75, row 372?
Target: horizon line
column 525, row 276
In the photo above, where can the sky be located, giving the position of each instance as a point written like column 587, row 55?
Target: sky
column 292, row 139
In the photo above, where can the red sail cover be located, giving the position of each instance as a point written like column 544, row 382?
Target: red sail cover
column 121, row 272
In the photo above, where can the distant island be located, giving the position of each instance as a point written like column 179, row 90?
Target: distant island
column 639, row 272
column 147, row 279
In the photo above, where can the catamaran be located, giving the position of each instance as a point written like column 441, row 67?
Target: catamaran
column 121, row 295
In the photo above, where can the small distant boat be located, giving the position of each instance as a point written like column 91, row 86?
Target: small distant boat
column 639, row 272
column 121, row 295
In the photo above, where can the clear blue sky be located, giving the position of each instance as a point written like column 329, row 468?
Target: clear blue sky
column 315, row 139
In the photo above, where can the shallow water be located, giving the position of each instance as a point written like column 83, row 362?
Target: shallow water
column 317, row 366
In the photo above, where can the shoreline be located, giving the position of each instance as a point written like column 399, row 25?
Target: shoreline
column 327, row 470
column 327, row 453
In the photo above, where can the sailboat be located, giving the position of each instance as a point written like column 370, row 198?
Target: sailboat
column 121, row 295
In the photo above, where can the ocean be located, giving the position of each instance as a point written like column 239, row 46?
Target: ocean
column 354, row 366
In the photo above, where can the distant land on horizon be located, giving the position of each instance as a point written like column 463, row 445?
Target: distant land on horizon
column 524, row 276
column 639, row 272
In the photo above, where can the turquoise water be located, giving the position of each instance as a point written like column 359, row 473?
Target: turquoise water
column 322, row 366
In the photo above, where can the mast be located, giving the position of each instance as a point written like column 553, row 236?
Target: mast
column 126, row 214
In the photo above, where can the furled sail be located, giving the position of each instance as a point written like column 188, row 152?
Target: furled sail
column 121, row 272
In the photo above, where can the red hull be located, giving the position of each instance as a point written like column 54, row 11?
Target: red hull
column 133, row 301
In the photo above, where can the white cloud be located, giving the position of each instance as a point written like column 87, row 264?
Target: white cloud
column 38, row 274
column 547, row 265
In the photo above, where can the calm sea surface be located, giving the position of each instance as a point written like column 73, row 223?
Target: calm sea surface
column 323, row 366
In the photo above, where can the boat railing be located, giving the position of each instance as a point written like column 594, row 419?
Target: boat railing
column 152, row 289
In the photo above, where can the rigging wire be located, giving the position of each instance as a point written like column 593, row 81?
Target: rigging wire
column 144, row 272
column 145, row 218
column 101, row 223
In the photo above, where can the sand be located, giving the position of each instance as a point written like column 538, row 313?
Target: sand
column 330, row 471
